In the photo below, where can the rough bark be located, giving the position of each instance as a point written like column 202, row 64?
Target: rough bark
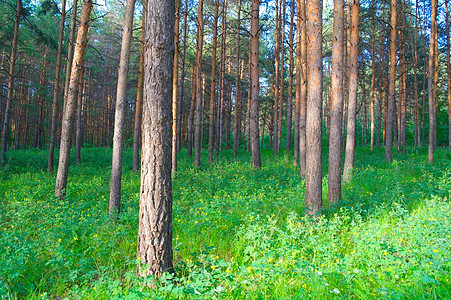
column 313, row 178
column 9, row 95
column 70, row 52
column 391, row 86
column 303, row 92
column 353, row 86
column 119, row 119
column 155, row 207
column 254, row 71
column 76, row 72
column 336, row 110
column 56, row 88
column 198, row 85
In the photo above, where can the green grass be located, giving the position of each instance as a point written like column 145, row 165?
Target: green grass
column 238, row 232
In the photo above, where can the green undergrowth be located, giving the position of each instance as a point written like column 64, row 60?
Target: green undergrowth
column 239, row 233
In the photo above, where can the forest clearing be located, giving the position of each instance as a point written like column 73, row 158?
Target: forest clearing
column 238, row 232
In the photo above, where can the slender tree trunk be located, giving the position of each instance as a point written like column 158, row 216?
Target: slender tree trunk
column 290, row 81
column 155, row 208
column 182, row 80
column 56, row 90
column 313, row 178
column 222, row 63
column 336, row 111
column 9, row 96
column 254, row 71
column 118, row 138
column 248, row 112
column 76, row 73
column 391, row 86
column 40, row 103
column 373, row 78
column 70, row 52
column 78, row 119
column 415, row 72
column 431, row 82
column 191, row 115
column 276, row 80
column 448, row 68
column 402, row 84
column 175, row 86
column 297, row 108
column 303, row 90
column 282, row 73
column 198, row 85
column 238, row 101
column 211, row 128
column 139, row 102
column 353, row 86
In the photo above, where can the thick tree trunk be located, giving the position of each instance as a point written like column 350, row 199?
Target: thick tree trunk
column 9, row 95
column 353, row 86
column 76, row 72
column 290, row 81
column 175, row 86
column 336, row 111
column 391, row 86
column 313, row 178
column 70, row 52
column 155, row 207
column 198, row 85
column 254, row 71
column 56, row 88
column 431, row 82
column 238, row 101
column 118, row 138
column 139, row 103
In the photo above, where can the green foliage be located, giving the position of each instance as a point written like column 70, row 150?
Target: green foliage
column 238, row 232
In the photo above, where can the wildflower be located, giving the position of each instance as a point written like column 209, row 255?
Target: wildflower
column 335, row 291
column 304, row 285
column 59, row 240
column 213, row 267
column 249, row 268
column 435, row 250
column 227, row 271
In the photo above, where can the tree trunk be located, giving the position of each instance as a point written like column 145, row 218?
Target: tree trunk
column 276, row 80
column 373, row 79
column 336, row 111
column 56, row 90
column 76, row 72
column 353, row 86
column 415, row 72
column 431, row 82
column 198, row 85
column 448, row 69
column 290, row 82
column 254, row 71
column 155, row 207
column 391, row 86
column 211, row 126
column 282, row 73
column 191, row 114
column 238, row 101
column 182, row 81
column 221, row 99
column 139, row 103
column 118, row 138
column 175, row 86
column 70, row 52
column 313, row 178
column 78, row 119
column 303, row 103
column 9, row 95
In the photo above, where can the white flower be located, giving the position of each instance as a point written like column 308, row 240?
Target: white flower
column 335, row 291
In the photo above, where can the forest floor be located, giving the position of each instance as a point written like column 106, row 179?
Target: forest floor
column 238, row 232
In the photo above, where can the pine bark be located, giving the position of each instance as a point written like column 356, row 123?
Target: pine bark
column 303, row 92
column 78, row 119
column 313, row 178
column 373, row 79
column 9, row 95
column 119, row 119
column 353, row 86
column 254, row 71
column 290, row 81
column 336, row 111
column 182, row 80
column 391, row 86
column 56, row 88
column 68, row 117
column 276, row 81
column 155, row 208
column 70, row 52
column 175, row 86
column 238, row 100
